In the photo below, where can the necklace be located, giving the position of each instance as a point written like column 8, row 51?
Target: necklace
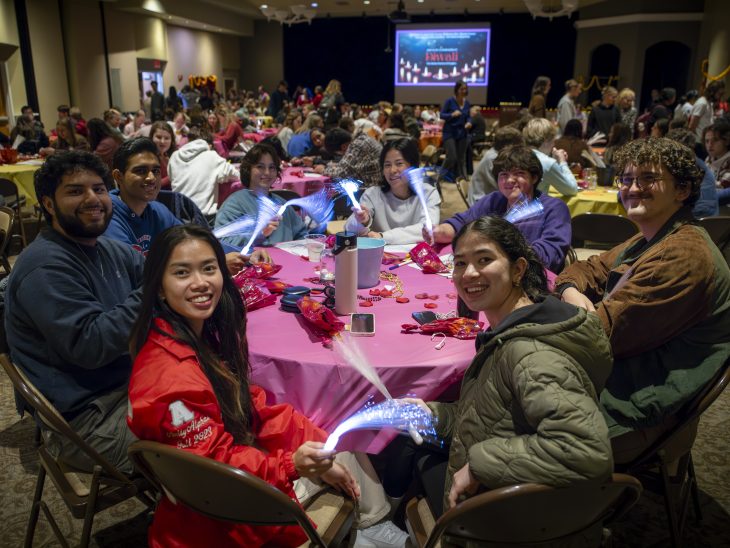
column 99, row 268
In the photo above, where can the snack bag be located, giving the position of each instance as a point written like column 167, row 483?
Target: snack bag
column 461, row 328
column 425, row 257
column 320, row 316
column 255, row 296
column 259, row 271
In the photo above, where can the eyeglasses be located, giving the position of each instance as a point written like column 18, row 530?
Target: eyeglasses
column 644, row 181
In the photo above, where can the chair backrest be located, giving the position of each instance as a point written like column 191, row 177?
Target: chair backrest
column 686, row 415
column 52, row 418
column 718, row 228
column 217, row 490
column 8, row 188
column 7, row 216
column 601, row 230
column 533, row 513
column 182, row 207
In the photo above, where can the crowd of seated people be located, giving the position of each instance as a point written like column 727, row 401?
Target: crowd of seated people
column 628, row 336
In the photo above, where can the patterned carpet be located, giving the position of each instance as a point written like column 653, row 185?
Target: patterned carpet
column 125, row 524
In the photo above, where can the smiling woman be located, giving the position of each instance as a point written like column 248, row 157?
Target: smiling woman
column 527, row 410
column 260, row 168
column 391, row 211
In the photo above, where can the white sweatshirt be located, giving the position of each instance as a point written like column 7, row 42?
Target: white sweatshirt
column 400, row 221
column 196, row 171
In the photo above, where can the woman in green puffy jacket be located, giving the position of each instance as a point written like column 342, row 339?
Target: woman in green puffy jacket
column 528, row 409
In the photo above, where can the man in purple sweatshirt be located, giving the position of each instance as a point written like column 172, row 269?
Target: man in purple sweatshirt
column 518, row 172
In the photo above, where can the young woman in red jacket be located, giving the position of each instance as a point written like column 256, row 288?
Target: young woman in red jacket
column 190, row 389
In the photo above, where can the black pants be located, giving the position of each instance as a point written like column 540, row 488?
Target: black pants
column 425, row 464
column 455, row 162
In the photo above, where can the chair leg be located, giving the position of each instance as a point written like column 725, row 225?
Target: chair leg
column 695, row 489
column 670, row 507
column 35, row 508
column 90, row 508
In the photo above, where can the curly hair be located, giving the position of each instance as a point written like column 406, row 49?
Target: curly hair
column 678, row 159
column 48, row 178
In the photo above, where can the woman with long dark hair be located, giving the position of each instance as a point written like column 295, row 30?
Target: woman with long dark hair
column 528, row 406
column 190, row 388
column 163, row 136
column 392, row 211
column 103, row 140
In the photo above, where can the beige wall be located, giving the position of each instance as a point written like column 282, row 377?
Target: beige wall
column 87, row 75
column 262, row 56
column 715, row 37
column 198, row 52
column 121, row 42
column 150, row 37
column 44, row 25
column 13, row 64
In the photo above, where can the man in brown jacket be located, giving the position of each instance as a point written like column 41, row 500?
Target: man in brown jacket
column 663, row 296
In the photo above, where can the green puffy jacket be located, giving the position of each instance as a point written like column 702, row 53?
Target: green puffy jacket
column 528, row 408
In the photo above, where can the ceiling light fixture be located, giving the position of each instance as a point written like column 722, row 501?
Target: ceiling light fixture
column 551, row 8
column 292, row 16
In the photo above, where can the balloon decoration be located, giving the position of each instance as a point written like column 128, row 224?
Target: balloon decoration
column 202, row 82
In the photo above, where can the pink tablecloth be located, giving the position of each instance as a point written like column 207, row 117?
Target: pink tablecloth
column 304, row 185
column 291, row 364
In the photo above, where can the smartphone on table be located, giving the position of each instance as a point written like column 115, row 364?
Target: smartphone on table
column 362, row 325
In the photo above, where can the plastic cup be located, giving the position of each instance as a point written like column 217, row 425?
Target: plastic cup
column 315, row 245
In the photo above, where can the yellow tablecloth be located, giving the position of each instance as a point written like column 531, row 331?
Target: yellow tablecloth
column 21, row 175
column 600, row 200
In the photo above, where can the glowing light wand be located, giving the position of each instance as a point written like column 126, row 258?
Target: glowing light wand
column 353, row 356
column 267, row 213
column 416, row 178
column 406, row 416
column 318, row 205
column 349, row 187
column 242, row 225
column 524, row 209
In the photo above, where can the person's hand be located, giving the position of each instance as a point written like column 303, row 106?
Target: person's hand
column 419, row 402
column 296, row 161
column 467, row 125
column 428, row 237
column 560, row 155
column 269, row 228
column 572, row 296
column 311, row 461
column 308, row 161
column 463, row 484
column 342, row 479
column 456, row 114
column 235, row 262
column 46, row 151
column 260, row 256
column 319, row 168
column 442, row 234
column 362, row 216
column 373, row 234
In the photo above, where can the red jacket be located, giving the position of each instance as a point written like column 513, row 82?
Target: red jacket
column 172, row 402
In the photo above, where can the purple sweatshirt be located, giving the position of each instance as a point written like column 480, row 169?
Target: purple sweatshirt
column 549, row 234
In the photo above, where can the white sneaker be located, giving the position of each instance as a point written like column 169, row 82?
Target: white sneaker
column 382, row 535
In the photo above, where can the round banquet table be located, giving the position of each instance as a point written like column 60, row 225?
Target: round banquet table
column 599, row 200
column 22, row 175
column 290, row 362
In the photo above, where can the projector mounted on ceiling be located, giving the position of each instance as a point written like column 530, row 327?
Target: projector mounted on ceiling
column 400, row 15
